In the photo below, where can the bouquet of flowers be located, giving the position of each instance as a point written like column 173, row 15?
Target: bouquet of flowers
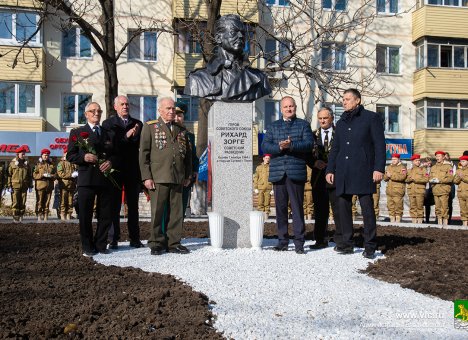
column 83, row 143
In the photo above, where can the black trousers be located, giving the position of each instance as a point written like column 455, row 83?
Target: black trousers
column 344, row 229
column 86, row 196
column 288, row 190
column 323, row 197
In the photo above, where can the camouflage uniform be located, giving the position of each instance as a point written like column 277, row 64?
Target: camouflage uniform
column 461, row 179
column 416, row 188
column 44, row 176
column 263, row 186
column 395, row 175
column 308, row 199
column 441, row 190
column 19, row 180
column 67, row 185
column 376, row 199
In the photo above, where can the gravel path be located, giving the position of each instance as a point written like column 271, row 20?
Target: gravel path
column 282, row 295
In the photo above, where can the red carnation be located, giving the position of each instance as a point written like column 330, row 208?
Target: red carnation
column 74, row 139
column 84, row 135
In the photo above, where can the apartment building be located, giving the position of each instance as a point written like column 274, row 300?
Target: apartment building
column 414, row 53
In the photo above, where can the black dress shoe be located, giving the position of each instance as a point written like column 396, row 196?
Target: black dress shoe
column 158, row 250
column 180, row 249
column 136, row 244
column 300, row 251
column 280, row 247
column 88, row 253
column 319, row 245
column 344, row 250
column 104, row 251
column 114, row 245
column 369, row 254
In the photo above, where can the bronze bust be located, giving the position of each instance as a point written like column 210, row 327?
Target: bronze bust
column 225, row 76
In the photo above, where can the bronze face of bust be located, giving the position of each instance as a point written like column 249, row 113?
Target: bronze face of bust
column 225, row 77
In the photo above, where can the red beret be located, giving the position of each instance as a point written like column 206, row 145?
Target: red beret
column 267, row 154
column 20, row 149
column 65, row 149
column 463, row 158
column 43, row 151
column 395, row 155
column 415, row 156
column 440, row 153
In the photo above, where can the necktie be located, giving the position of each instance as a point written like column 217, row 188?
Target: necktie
column 96, row 130
column 125, row 122
column 169, row 126
column 325, row 140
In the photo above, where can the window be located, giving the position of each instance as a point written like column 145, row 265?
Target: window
column 388, row 59
column 458, row 3
column 75, row 44
column 334, row 57
column 192, row 105
column 441, row 55
column 276, row 50
column 337, row 5
column 272, row 113
column 190, row 36
column 143, row 47
column 420, row 57
column 277, row 2
column 390, row 117
column 387, row 6
column 144, row 108
column 18, row 27
column 21, row 98
column 73, row 106
column 448, row 114
column 337, row 109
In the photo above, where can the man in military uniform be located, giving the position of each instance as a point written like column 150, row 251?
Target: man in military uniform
column 416, row 186
column 395, row 175
column 461, row 179
column 44, row 176
column 262, row 187
column 308, row 197
column 67, row 174
column 441, row 178
column 166, row 167
column 19, row 181
column 2, row 182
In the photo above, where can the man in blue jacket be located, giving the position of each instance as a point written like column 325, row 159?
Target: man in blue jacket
column 289, row 141
column 355, row 164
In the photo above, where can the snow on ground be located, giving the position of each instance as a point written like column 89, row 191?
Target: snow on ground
column 282, row 295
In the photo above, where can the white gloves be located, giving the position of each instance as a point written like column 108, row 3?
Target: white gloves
column 74, row 174
column 434, row 180
column 46, row 175
column 271, row 193
column 256, row 191
column 9, row 190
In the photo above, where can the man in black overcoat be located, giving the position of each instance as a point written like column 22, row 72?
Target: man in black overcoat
column 355, row 164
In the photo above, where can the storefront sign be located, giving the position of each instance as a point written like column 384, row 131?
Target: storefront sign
column 34, row 142
column 400, row 146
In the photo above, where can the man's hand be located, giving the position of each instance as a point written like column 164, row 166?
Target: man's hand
column 320, row 164
column 256, row 191
column 285, row 144
column 133, row 131
column 149, row 184
column 187, row 182
column 90, row 158
column 105, row 166
column 330, row 178
column 377, row 176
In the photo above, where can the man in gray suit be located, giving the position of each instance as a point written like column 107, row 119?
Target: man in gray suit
column 166, row 167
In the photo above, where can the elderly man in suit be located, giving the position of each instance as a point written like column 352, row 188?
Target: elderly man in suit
column 289, row 141
column 92, row 148
column 166, row 167
column 355, row 164
column 323, row 193
column 127, row 131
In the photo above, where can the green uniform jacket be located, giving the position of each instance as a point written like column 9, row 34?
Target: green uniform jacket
column 165, row 157
column 65, row 170
column 462, row 182
column 395, row 175
column 443, row 172
column 40, row 170
column 260, row 179
column 416, row 181
column 19, row 175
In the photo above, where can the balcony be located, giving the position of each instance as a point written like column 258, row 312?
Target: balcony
column 440, row 21
column 194, row 9
column 21, row 3
column 428, row 141
column 441, row 83
column 21, row 123
column 29, row 67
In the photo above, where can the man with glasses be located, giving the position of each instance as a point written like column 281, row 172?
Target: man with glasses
column 92, row 148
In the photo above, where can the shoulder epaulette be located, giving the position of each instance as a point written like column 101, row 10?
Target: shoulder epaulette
column 152, row 122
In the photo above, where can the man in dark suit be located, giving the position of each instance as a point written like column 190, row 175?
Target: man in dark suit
column 289, row 141
column 355, row 164
column 92, row 148
column 127, row 131
column 323, row 193
column 166, row 167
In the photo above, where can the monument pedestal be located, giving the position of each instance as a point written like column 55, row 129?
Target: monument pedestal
column 230, row 138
